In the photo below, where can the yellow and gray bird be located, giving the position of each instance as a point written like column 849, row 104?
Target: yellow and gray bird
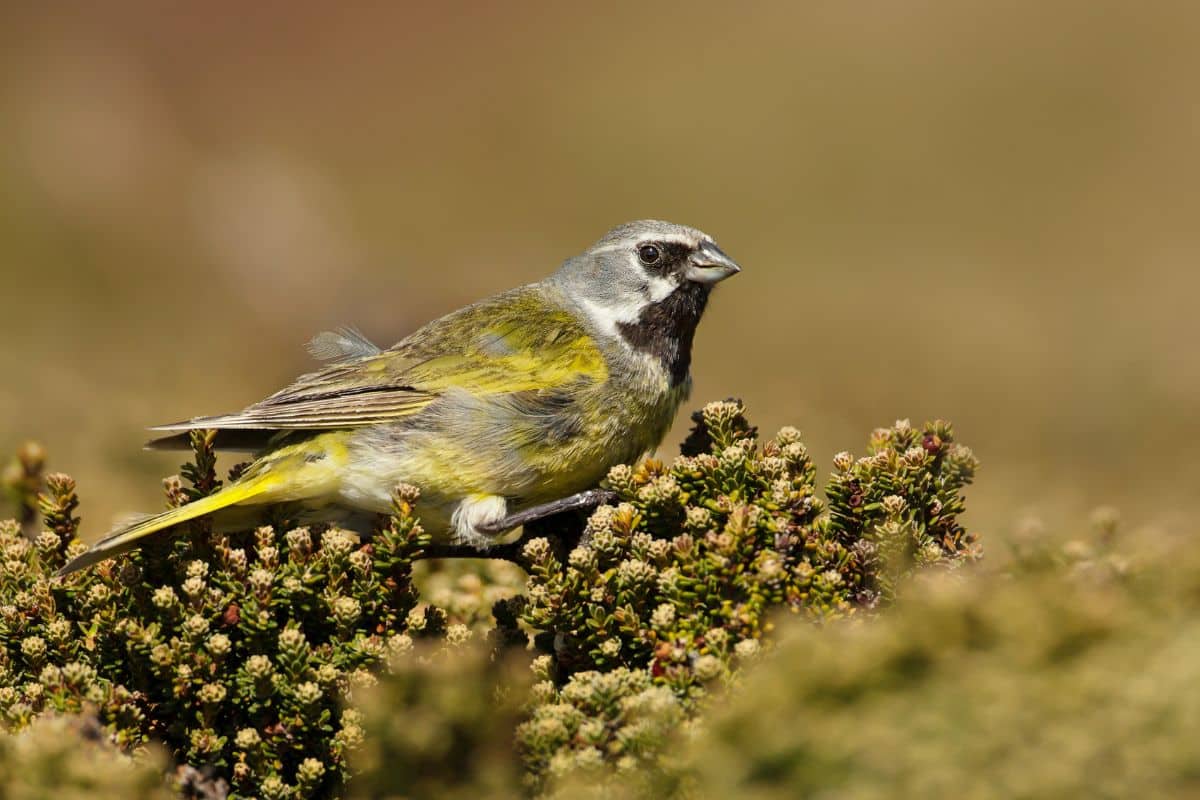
column 502, row 412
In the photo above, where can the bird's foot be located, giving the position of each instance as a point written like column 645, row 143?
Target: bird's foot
column 558, row 521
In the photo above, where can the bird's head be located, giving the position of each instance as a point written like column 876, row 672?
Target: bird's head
column 648, row 282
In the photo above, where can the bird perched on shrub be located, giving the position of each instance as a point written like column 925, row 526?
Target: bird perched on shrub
column 502, row 412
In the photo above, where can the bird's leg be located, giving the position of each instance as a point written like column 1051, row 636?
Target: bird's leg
column 589, row 499
column 558, row 521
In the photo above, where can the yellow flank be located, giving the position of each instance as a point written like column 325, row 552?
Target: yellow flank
column 124, row 540
column 306, row 470
column 302, row 471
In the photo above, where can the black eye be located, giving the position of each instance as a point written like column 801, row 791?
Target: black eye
column 649, row 254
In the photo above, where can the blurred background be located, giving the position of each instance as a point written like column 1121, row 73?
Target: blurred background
column 983, row 212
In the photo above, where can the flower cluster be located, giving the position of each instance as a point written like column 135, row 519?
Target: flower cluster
column 899, row 505
column 466, row 590
column 235, row 651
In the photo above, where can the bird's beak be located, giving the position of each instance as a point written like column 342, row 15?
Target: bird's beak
column 709, row 265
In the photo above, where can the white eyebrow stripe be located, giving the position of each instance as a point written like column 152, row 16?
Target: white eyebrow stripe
column 669, row 237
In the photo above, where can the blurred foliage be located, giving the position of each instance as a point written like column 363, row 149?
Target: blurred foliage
column 466, row 590
column 1071, row 675
column 21, row 479
column 68, row 758
column 440, row 725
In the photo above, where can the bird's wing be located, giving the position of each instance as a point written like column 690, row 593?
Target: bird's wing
column 514, row 343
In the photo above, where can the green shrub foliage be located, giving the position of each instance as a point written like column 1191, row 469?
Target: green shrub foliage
column 234, row 651
column 262, row 659
column 675, row 587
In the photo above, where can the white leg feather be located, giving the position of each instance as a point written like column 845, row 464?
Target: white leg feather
column 473, row 512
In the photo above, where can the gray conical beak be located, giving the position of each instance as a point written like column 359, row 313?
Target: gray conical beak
column 709, row 265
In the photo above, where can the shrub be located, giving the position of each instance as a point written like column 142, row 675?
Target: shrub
column 234, row 651
column 261, row 659
column 677, row 586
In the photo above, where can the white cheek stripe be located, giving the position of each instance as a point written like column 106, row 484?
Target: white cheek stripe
column 607, row 318
column 660, row 288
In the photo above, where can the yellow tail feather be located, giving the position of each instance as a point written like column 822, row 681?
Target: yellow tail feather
column 126, row 539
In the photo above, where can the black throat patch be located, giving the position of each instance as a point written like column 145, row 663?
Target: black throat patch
column 665, row 329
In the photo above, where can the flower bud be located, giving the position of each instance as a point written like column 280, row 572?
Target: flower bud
column 747, row 649
column 894, row 504
column 260, row 580
column 663, row 616
column 787, row 435
column 707, row 667
column 195, row 626
column 457, row 635
column 247, row 738
column 537, row 551
column 50, row 676
column 211, row 693
column 400, row 643
column 193, row 587
column 327, row 674
column 360, row 560
column 273, row 788
column 309, row 772
column 582, row 559
column 259, row 666
column 346, row 610
column 299, row 542
column 33, row 648
column 219, row 645
column 308, row 693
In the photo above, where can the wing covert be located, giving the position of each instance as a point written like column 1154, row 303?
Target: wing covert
column 514, row 343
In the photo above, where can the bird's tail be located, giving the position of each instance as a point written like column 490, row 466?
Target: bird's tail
column 125, row 538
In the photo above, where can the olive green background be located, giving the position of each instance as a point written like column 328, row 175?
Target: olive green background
column 980, row 211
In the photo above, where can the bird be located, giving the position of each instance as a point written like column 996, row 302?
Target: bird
column 502, row 412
